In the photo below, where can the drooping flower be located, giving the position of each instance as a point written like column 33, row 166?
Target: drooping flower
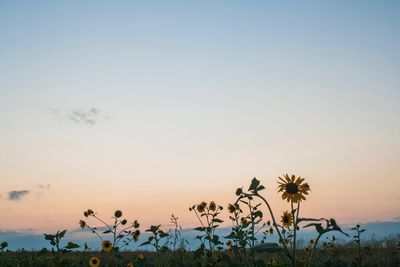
column 200, row 208
column 82, row 224
column 212, row 206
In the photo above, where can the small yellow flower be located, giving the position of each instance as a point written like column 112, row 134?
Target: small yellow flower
column 94, row 261
column 140, row 257
column 272, row 261
column 287, row 219
column 271, row 230
column 312, row 241
column 130, row 265
column 229, row 243
column 107, row 245
column 306, row 249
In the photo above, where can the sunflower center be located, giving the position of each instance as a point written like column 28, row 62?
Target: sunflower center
column 292, row 188
column 286, row 219
column 94, row 261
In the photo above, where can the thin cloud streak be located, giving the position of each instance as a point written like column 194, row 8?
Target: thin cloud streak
column 17, row 195
column 85, row 116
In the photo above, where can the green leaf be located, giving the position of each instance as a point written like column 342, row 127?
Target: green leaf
column 61, row 234
column 48, row 237
column 261, row 187
column 254, row 184
column 71, row 245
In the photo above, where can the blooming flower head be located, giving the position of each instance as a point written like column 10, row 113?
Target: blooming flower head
column 106, row 245
column 287, row 219
column 94, row 261
column 293, row 188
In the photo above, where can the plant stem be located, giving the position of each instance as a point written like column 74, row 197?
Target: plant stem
column 275, row 225
column 313, row 249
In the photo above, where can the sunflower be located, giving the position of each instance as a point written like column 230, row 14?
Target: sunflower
column 106, row 245
column 233, row 207
column 200, row 208
column 287, row 219
column 82, row 224
column 212, row 206
column 293, row 188
column 307, row 250
column 94, row 261
column 140, row 257
column 130, row 265
column 272, row 261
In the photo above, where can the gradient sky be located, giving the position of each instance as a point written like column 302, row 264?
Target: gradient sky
column 192, row 99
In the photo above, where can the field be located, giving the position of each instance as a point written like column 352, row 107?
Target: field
column 248, row 244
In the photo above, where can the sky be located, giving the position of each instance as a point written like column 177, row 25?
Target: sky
column 152, row 106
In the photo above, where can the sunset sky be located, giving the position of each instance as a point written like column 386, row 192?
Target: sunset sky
column 152, row 106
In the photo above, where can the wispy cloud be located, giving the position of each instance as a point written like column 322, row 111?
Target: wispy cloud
column 17, row 194
column 89, row 116
column 84, row 116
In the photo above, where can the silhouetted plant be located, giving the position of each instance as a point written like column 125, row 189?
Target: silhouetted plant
column 121, row 231
column 294, row 190
column 208, row 218
column 357, row 240
column 175, row 238
column 245, row 228
column 155, row 238
column 3, row 246
column 55, row 240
